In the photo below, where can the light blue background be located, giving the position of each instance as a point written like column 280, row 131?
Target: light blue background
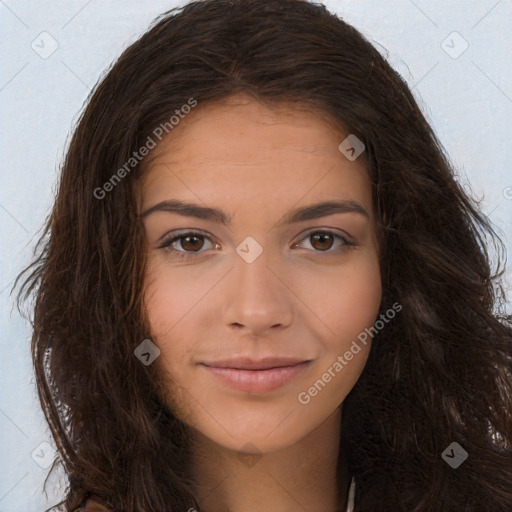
column 468, row 100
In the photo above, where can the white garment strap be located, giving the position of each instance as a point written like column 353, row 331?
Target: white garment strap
column 351, row 496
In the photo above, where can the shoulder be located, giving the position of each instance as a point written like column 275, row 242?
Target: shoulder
column 92, row 503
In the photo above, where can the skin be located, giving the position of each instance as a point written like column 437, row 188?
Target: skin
column 300, row 298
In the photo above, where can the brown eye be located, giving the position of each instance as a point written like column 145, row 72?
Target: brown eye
column 192, row 243
column 187, row 244
column 325, row 241
column 321, row 241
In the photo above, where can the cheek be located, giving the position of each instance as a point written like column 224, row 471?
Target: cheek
column 345, row 301
column 172, row 296
column 165, row 311
column 360, row 299
column 352, row 308
column 166, row 301
column 176, row 304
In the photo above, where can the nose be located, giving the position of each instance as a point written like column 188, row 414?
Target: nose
column 256, row 297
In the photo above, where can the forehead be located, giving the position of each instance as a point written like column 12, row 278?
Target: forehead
column 238, row 146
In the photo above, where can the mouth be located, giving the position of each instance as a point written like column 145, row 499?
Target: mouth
column 253, row 376
column 244, row 363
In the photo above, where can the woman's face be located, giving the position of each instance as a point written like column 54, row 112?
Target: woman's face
column 253, row 312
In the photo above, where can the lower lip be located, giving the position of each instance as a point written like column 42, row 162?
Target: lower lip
column 257, row 381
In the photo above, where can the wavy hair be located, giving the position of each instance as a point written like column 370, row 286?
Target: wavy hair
column 441, row 372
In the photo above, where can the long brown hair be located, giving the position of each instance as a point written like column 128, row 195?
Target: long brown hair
column 439, row 373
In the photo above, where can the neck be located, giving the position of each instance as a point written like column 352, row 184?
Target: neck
column 304, row 476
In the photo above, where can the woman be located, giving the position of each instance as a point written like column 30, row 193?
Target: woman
column 261, row 287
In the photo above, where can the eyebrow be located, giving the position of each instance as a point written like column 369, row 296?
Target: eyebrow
column 300, row 214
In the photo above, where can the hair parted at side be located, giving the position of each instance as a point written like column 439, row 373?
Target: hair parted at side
column 441, row 372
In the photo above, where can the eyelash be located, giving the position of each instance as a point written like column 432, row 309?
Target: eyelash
column 166, row 244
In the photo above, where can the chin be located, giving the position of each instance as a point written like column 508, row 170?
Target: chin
column 250, row 432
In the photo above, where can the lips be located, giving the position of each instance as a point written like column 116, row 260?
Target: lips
column 256, row 376
column 252, row 364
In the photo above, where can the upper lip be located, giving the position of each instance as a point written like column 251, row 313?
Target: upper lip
column 244, row 363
